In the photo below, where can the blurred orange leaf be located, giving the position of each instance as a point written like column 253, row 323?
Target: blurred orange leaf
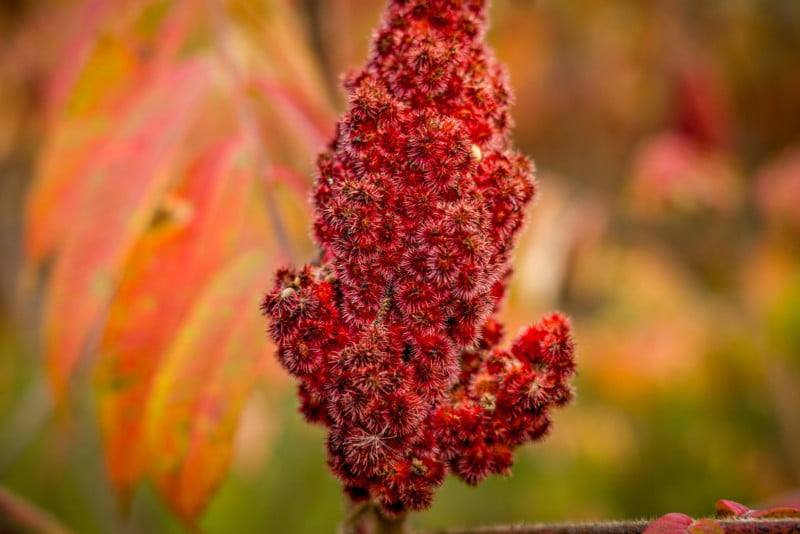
column 74, row 147
column 119, row 188
column 202, row 385
column 82, row 27
column 136, row 216
column 106, row 79
column 198, row 228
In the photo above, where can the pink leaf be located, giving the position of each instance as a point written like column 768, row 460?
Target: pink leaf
column 683, row 524
column 775, row 513
column 670, row 524
column 727, row 509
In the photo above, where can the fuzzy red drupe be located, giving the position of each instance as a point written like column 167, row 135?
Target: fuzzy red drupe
column 417, row 202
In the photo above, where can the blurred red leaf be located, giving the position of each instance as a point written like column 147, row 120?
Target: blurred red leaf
column 202, row 385
column 120, row 186
column 199, row 228
column 701, row 102
column 671, row 170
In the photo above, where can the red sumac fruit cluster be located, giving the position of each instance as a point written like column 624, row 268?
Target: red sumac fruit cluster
column 392, row 334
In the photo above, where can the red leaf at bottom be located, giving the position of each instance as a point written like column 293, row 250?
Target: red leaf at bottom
column 683, row 524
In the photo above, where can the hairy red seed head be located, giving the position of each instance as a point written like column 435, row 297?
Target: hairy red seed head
column 418, row 200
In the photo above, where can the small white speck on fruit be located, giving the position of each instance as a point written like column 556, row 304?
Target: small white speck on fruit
column 476, row 153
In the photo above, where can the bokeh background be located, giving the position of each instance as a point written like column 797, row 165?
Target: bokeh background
column 667, row 140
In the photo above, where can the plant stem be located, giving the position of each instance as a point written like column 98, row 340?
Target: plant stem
column 730, row 526
column 390, row 525
column 367, row 517
column 18, row 515
column 615, row 527
column 354, row 519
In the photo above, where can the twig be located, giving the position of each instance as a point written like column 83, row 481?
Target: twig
column 18, row 515
column 367, row 514
column 730, row 526
column 354, row 517
column 390, row 525
column 615, row 527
